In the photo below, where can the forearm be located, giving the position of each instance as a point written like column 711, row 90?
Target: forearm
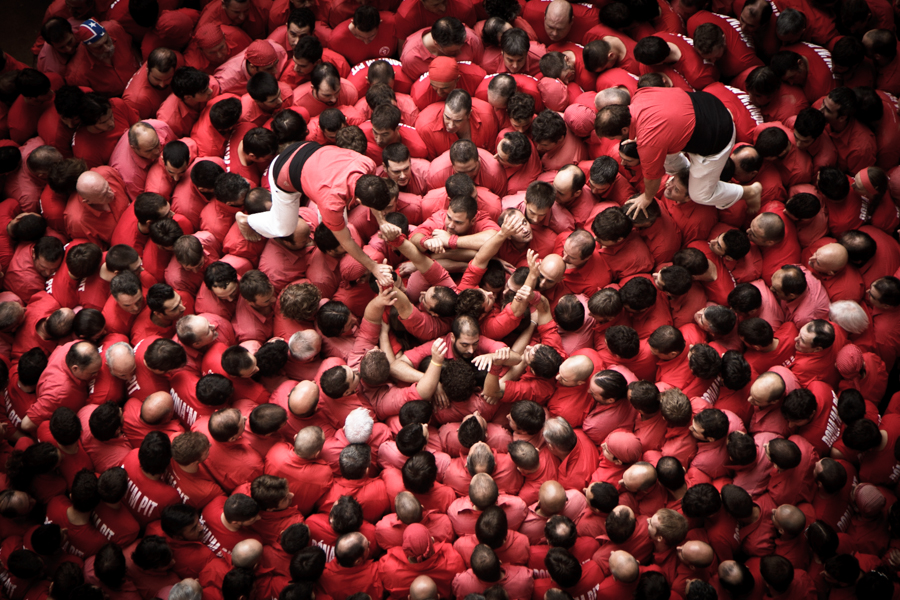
column 405, row 372
column 428, row 384
column 422, row 262
column 352, row 248
column 488, row 251
column 476, row 240
column 452, row 265
column 651, row 187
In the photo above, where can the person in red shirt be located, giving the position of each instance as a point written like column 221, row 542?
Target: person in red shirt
column 777, row 241
column 578, row 454
column 385, row 129
column 310, row 478
column 104, row 61
column 417, row 14
column 487, row 571
column 369, row 34
column 182, row 529
column 806, row 66
column 148, row 494
column 191, row 90
column 228, row 521
column 75, row 515
column 461, row 117
column 101, row 125
column 352, row 568
column 670, row 50
column 64, row 382
column 150, row 85
column 855, row 143
column 94, row 209
column 419, row 554
column 246, row 15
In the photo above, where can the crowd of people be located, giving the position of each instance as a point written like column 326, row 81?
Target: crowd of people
column 430, row 299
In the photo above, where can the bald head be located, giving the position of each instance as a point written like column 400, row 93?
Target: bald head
column 246, row 553
column 144, row 140
column 553, row 265
column 697, row 554
column 303, row 398
column 575, row 369
column 407, row 508
column 639, row 477
column 305, row 345
column 624, row 567
column 423, row 587
column 93, row 188
column 120, row 360
column 564, row 178
column 308, row 442
column 480, row 458
column 789, row 520
column 829, row 259
column 157, row 408
column 483, row 491
column 552, row 498
column 614, row 96
column 767, row 389
column 558, row 20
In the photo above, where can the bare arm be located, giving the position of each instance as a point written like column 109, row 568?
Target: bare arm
column 429, row 382
column 381, row 272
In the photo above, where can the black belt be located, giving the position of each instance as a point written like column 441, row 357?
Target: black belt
column 297, row 155
column 713, row 126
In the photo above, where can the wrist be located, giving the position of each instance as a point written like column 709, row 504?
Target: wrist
column 495, row 369
column 397, row 242
column 452, row 242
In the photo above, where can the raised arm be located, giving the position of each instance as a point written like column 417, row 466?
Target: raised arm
column 429, row 382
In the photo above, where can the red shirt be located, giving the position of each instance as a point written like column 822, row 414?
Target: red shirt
column 109, row 80
column 369, row 492
column 856, row 146
column 482, row 125
column 195, row 489
column 517, row 581
column 576, row 468
column 96, row 148
column 57, row 387
column 190, row 556
column 104, row 455
column 397, row 573
column 630, row 257
column 116, row 524
column 85, row 540
column 41, row 306
column 309, row 480
column 97, row 224
column 690, row 66
column 135, row 429
column 363, row 577
column 586, row 589
column 355, row 51
column 585, row 16
column 220, row 536
column 739, row 52
column 412, row 15
column 146, row 497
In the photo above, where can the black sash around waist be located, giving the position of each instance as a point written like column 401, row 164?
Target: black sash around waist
column 297, row 154
column 713, row 127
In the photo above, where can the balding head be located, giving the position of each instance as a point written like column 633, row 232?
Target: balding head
column 246, row 553
column 552, row 498
column 305, row 345
column 767, row 389
column 303, row 399
column 558, row 19
column 575, row 370
column 94, row 189
column 157, row 408
column 483, row 491
column 120, row 360
column 829, row 259
column 408, row 508
column 624, row 567
column 551, row 271
column 789, row 521
column 614, row 96
column 144, row 141
column 351, row 549
column 564, row 178
column 308, row 442
column 766, row 229
column 639, row 477
column 480, row 458
column 696, row 554
column 423, row 587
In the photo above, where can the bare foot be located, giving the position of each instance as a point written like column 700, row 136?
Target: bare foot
column 753, row 197
column 249, row 234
